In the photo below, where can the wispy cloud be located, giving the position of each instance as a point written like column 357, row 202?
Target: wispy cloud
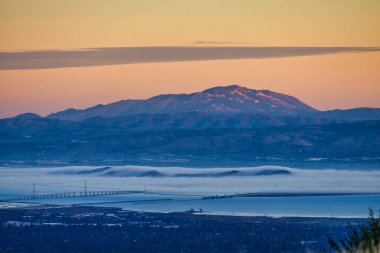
column 212, row 42
column 132, row 55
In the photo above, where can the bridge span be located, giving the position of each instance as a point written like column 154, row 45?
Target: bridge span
column 67, row 195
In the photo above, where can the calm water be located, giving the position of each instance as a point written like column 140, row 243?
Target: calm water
column 168, row 194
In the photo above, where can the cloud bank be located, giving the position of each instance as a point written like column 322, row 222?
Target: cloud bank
column 132, row 55
column 129, row 178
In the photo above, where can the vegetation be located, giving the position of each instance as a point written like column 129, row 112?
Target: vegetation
column 365, row 238
column 85, row 229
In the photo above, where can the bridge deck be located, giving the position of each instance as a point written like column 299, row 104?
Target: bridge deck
column 67, row 195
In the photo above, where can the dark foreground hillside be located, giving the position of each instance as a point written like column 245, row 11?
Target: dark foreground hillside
column 88, row 229
column 54, row 141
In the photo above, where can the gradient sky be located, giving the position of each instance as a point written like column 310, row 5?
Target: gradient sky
column 341, row 80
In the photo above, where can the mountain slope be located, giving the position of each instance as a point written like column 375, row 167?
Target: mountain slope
column 222, row 100
column 157, row 122
column 47, row 139
column 354, row 114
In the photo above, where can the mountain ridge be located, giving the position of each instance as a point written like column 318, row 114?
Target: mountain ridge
column 220, row 99
column 187, row 126
column 43, row 141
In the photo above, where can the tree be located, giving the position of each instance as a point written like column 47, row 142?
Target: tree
column 364, row 239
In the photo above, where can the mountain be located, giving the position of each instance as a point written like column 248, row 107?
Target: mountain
column 355, row 114
column 222, row 100
column 156, row 122
column 199, row 120
column 222, row 123
column 50, row 141
column 28, row 115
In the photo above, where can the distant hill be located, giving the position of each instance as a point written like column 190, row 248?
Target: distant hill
column 355, row 114
column 221, row 100
column 49, row 138
column 27, row 115
column 232, row 122
column 228, row 100
column 161, row 121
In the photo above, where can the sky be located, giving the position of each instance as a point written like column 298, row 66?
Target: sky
column 57, row 54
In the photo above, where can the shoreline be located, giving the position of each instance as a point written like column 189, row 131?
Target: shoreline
column 17, row 206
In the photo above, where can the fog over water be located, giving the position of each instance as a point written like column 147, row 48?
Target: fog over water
column 180, row 189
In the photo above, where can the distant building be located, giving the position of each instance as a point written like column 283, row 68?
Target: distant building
column 16, row 224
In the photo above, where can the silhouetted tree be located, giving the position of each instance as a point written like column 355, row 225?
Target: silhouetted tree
column 364, row 239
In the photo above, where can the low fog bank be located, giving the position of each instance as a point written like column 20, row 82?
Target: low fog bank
column 147, row 171
column 188, row 181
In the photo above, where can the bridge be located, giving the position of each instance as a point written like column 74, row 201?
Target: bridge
column 67, row 195
column 73, row 194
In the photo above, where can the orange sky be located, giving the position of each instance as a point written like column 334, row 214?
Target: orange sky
column 71, row 24
column 325, row 81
